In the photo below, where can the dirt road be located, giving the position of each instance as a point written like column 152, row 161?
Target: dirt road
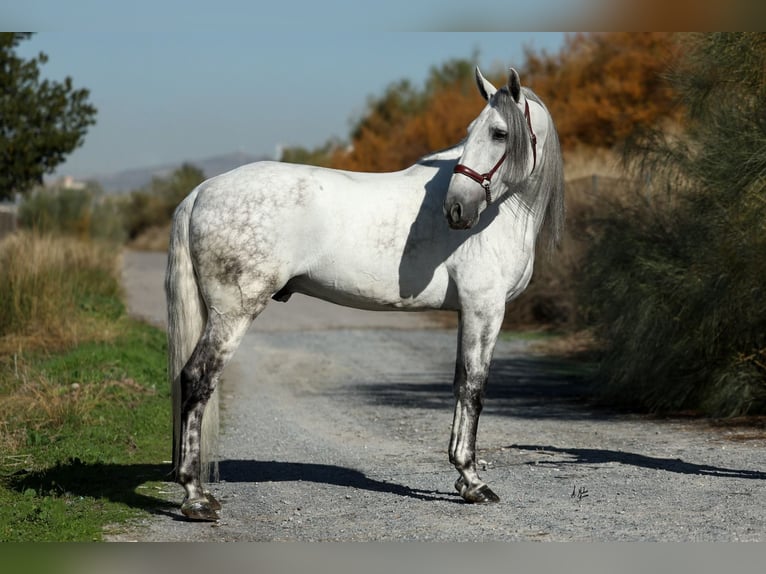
column 336, row 425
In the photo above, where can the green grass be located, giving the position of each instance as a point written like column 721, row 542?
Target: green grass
column 84, row 405
column 91, row 453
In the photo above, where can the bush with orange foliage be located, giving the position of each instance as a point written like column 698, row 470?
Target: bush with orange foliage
column 405, row 123
column 601, row 87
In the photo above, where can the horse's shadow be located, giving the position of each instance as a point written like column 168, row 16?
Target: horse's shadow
column 122, row 483
column 596, row 456
column 278, row 471
column 535, row 388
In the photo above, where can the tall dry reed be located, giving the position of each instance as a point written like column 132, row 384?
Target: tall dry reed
column 49, row 285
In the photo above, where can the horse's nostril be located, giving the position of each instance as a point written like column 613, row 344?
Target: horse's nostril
column 456, row 212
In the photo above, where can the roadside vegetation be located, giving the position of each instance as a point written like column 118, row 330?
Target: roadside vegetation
column 674, row 280
column 84, row 418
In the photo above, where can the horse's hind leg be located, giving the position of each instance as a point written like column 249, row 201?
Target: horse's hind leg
column 477, row 335
column 199, row 378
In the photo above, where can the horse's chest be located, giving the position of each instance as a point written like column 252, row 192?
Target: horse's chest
column 520, row 275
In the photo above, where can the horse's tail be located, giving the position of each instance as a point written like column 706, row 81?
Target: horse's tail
column 187, row 316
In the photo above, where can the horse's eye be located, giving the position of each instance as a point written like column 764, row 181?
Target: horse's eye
column 499, row 135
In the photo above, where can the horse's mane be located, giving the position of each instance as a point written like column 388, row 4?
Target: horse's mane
column 543, row 192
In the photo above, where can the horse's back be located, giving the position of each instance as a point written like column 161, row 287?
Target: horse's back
column 307, row 203
column 342, row 236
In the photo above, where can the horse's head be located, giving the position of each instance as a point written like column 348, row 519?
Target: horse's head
column 502, row 148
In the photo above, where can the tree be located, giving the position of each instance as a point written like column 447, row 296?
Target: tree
column 41, row 121
column 154, row 204
column 601, row 86
column 321, row 155
column 406, row 122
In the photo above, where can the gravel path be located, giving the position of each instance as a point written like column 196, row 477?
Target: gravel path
column 336, row 424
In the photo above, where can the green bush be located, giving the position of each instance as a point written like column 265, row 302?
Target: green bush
column 675, row 280
column 83, row 212
column 153, row 205
column 89, row 213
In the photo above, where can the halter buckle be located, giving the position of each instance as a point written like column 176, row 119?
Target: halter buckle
column 485, row 184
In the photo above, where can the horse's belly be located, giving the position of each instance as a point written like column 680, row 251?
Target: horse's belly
column 372, row 292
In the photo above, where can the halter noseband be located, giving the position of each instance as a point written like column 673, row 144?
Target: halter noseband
column 484, row 179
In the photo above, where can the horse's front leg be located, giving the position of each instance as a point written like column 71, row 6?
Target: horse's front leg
column 477, row 334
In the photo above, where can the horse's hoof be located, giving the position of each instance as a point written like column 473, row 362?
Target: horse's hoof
column 480, row 495
column 201, row 509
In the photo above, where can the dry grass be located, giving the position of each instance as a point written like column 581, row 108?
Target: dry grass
column 551, row 299
column 155, row 238
column 585, row 161
column 78, row 391
column 580, row 344
column 37, row 402
column 53, row 290
column 34, row 402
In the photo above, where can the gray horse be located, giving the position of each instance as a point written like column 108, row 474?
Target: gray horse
column 371, row 241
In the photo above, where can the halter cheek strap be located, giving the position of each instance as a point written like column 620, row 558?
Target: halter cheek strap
column 485, row 179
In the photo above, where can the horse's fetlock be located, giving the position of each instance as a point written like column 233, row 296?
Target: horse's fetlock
column 183, row 478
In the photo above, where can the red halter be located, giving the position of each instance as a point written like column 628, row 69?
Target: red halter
column 484, row 179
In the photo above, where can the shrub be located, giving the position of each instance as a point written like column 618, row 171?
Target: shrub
column 152, row 207
column 85, row 213
column 675, row 280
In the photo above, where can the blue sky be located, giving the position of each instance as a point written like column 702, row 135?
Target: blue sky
column 172, row 83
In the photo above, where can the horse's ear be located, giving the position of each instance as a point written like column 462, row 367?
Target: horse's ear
column 514, row 85
column 486, row 89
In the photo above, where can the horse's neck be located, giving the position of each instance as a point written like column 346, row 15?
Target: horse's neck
column 519, row 218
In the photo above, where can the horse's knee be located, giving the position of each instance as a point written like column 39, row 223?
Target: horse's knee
column 471, row 397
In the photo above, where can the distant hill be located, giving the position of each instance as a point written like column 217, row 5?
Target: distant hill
column 130, row 179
